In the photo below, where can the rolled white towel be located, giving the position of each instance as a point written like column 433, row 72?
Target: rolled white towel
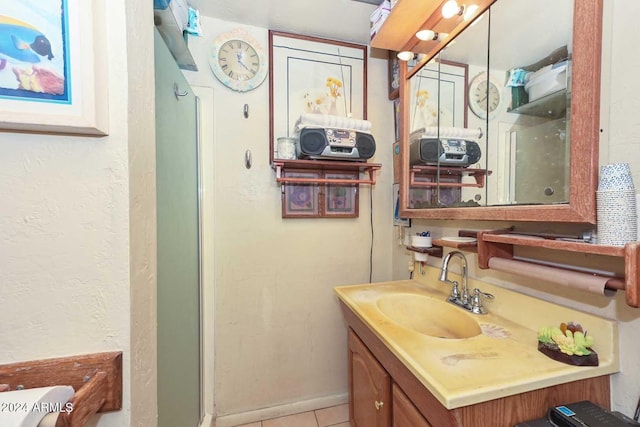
column 453, row 132
column 330, row 121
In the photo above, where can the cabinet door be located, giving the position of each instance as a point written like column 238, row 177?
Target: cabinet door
column 369, row 387
column 404, row 413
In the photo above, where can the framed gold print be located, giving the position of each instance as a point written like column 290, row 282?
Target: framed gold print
column 310, row 75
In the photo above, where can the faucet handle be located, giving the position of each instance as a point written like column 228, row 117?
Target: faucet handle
column 455, row 290
column 476, row 301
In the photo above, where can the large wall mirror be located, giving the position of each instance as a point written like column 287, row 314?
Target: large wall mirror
column 503, row 123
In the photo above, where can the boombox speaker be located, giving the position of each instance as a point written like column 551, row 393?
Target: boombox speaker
column 343, row 144
column 446, row 152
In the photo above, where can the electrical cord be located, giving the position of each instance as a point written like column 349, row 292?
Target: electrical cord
column 371, row 221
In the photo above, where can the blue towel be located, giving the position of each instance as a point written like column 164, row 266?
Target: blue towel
column 193, row 26
column 161, row 4
column 517, row 77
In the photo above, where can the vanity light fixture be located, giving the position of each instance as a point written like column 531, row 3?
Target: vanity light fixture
column 405, row 55
column 470, row 11
column 452, row 8
column 431, row 35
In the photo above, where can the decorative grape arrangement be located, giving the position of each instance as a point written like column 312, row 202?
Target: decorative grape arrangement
column 568, row 343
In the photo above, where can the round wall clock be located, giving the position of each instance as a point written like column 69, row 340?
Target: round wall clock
column 238, row 61
column 485, row 96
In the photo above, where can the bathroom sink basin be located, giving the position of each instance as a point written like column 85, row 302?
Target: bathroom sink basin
column 428, row 316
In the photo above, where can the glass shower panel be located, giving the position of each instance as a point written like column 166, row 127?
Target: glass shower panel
column 179, row 338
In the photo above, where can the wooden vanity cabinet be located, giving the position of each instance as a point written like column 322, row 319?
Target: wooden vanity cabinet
column 405, row 414
column 372, row 395
column 374, row 400
column 383, row 392
column 369, row 387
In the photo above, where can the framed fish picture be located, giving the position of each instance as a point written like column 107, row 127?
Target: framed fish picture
column 53, row 67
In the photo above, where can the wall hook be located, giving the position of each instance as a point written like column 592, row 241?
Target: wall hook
column 248, row 160
column 177, row 93
column 246, row 111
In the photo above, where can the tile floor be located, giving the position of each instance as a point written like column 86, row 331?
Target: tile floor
column 336, row 416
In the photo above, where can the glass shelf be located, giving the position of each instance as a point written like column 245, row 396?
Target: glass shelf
column 552, row 106
column 175, row 39
column 418, row 170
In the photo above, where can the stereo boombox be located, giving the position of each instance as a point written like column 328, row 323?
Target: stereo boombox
column 443, row 151
column 331, row 143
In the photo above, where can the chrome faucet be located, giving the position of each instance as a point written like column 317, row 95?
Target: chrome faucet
column 456, row 297
column 461, row 298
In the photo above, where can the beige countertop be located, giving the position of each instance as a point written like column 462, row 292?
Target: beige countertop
column 502, row 361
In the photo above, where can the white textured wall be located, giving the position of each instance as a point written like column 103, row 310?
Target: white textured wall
column 624, row 131
column 279, row 335
column 624, row 146
column 142, row 212
column 65, row 243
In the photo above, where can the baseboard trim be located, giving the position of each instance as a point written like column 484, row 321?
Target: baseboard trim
column 232, row 420
column 207, row 421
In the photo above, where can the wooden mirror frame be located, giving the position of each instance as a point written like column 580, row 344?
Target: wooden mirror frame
column 585, row 130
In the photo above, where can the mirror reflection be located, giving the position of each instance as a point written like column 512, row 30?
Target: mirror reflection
column 489, row 116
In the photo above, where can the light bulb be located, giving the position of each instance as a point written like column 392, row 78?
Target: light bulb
column 469, row 11
column 426, row 35
column 477, row 20
column 450, row 9
column 405, row 55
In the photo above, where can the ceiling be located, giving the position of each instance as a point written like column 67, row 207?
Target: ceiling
column 515, row 42
column 528, row 30
column 346, row 20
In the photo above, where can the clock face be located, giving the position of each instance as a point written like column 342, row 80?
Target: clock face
column 488, row 96
column 485, row 96
column 238, row 61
